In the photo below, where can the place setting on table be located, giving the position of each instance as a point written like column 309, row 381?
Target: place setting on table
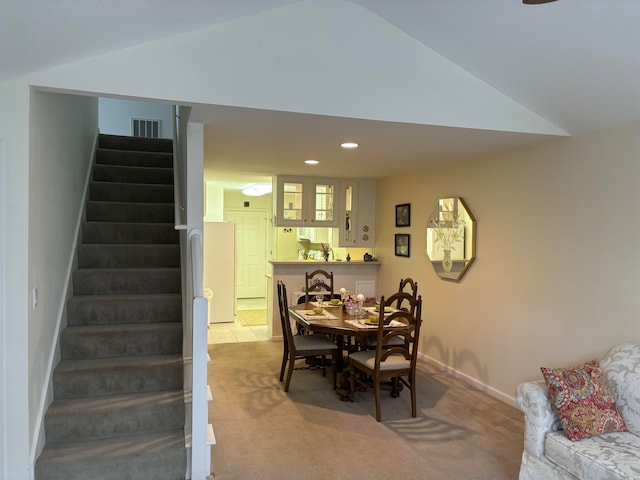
column 319, row 312
column 351, row 312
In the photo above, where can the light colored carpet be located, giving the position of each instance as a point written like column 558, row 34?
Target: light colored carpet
column 308, row 433
column 252, row 318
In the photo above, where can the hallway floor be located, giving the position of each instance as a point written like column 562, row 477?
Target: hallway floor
column 235, row 332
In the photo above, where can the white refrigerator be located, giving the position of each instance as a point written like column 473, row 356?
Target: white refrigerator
column 219, row 253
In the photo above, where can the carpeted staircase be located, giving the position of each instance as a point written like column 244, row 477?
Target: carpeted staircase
column 118, row 409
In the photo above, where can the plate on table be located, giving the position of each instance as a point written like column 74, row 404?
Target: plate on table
column 371, row 320
column 334, row 302
column 386, row 309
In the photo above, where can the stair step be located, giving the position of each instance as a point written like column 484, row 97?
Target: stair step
column 121, row 255
column 125, row 174
column 106, row 281
column 106, row 341
column 161, row 456
column 106, row 156
column 98, row 418
column 130, row 192
column 100, row 211
column 138, row 233
column 123, row 309
column 117, row 376
column 121, row 142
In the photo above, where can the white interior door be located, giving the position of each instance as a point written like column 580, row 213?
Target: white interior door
column 251, row 241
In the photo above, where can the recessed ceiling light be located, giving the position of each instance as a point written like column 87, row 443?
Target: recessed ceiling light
column 349, row 145
column 311, row 162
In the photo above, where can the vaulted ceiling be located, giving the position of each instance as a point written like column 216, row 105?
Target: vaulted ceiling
column 563, row 68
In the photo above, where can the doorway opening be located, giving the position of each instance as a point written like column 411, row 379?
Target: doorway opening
column 252, row 246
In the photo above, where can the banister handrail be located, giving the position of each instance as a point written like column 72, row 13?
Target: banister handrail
column 180, row 115
column 195, row 251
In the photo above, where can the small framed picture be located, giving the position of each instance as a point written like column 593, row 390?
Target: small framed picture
column 402, row 244
column 403, row 215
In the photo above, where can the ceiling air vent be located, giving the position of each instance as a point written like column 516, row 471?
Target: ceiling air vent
column 141, row 127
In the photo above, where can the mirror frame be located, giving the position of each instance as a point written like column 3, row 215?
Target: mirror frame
column 455, row 274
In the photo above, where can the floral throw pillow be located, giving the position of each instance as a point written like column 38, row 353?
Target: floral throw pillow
column 580, row 396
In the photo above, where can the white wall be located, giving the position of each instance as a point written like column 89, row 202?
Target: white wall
column 63, row 132
column 114, row 116
column 3, row 360
column 556, row 278
column 14, row 131
column 318, row 57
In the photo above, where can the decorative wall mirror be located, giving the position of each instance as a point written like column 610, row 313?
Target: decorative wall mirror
column 451, row 238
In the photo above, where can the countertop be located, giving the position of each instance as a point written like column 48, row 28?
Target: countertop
column 320, row 262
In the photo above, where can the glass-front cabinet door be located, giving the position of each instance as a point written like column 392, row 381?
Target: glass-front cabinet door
column 305, row 201
column 292, row 201
column 323, row 203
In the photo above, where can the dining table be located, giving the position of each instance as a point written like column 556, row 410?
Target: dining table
column 335, row 321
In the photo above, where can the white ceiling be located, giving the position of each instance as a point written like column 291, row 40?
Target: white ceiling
column 575, row 63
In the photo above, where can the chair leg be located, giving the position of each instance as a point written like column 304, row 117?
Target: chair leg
column 284, row 363
column 376, row 388
column 352, row 383
column 323, row 362
column 334, row 368
column 292, row 361
column 412, row 387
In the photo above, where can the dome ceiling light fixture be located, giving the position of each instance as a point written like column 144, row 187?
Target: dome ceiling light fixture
column 311, row 162
column 257, row 189
column 349, row 145
column 536, row 2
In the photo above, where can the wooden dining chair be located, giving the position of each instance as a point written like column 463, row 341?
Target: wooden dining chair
column 318, row 281
column 302, row 346
column 411, row 285
column 395, row 355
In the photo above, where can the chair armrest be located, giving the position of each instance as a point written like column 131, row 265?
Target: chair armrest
column 539, row 417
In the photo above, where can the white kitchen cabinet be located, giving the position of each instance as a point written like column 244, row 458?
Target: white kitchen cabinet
column 357, row 199
column 305, row 202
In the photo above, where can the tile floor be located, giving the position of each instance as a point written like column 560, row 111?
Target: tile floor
column 235, row 332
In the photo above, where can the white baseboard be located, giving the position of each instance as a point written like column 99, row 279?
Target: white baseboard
column 497, row 394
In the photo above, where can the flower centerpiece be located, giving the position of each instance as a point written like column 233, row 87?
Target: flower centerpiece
column 326, row 251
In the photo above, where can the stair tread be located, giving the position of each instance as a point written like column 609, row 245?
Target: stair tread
column 139, row 167
column 124, row 327
column 130, row 245
column 79, row 406
column 127, row 269
column 96, row 222
column 115, row 362
column 131, row 184
column 125, row 297
column 137, row 152
column 102, row 452
column 132, row 204
column 92, row 448
column 128, row 143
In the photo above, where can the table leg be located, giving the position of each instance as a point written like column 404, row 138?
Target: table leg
column 340, row 342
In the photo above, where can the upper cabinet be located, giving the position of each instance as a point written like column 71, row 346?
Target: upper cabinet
column 357, row 200
column 348, row 204
column 305, row 201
